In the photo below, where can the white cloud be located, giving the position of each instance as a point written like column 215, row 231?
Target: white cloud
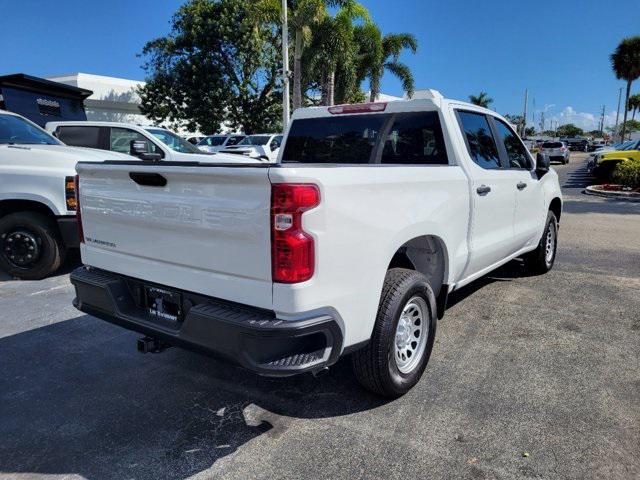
column 585, row 120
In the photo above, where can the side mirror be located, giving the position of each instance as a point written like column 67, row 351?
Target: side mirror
column 542, row 164
column 140, row 149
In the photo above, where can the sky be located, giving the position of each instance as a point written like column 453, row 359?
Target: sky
column 558, row 50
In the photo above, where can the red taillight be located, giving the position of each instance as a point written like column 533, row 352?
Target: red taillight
column 358, row 108
column 78, row 210
column 292, row 249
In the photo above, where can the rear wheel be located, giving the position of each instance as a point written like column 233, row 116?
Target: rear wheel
column 30, row 246
column 403, row 335
column 541, row 260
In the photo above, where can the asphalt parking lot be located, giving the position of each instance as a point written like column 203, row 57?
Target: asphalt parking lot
column 530, row 377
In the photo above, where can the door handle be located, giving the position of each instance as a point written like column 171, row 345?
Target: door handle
column 148, row 179
column 521, row 185
column 483, row 189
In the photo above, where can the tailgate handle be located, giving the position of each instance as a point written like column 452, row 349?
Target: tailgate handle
column 148, row 179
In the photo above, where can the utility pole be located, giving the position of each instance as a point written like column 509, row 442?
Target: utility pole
column 615, row 129
column 524, row 114
column 285, row 67
column 602, row 121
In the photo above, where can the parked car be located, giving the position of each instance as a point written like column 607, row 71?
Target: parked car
column 604, row 163
column 576, row 144
column 137, row 140
column 596, row 144
column 556, row 151
column 285, row 268
column 264, row 146
column 215, row 143
column 37, row 197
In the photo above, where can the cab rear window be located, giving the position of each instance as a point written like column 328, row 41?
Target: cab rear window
column 389, row 138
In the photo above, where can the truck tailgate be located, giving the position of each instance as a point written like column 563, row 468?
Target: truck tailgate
column 206, row 231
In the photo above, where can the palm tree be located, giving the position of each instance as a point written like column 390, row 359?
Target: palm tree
column 634, row 104
column 331, row 52
column 378, row 53
column 302, row 16
column 482, row 100
column 625, row 61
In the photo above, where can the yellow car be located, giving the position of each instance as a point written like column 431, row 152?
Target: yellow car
column 603, row 164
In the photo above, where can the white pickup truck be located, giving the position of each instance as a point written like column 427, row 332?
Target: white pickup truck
column 349, row 244
column 37, row 197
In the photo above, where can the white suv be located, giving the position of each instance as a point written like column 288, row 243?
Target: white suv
column 37, row 197
column 150, row 142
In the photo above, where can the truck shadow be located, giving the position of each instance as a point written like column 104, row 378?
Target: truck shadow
column 78, row 399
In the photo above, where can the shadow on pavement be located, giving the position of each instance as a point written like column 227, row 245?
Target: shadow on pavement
column 78, row 399
column 579, row 178
column 602, row 205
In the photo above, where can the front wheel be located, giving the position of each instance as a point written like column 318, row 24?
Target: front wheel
column 403, row 335
column 541, row 259
column 30, row 247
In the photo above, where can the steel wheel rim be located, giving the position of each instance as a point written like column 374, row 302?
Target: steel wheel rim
column 411, row 334
column 549, row 249
column 21, row 248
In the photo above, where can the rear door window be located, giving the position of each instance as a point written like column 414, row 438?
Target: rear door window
column 516, row 151
column 77, row 136
column 480, row 141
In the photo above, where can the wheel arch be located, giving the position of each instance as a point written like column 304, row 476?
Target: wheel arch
column 10, row 206
column 426, row 254
column 556, row 207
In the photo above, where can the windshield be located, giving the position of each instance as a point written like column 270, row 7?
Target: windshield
column 173, row 141
column 633, row 145
column 255, row 140
column 213, row 141
column 18, row 131
column 552, row 145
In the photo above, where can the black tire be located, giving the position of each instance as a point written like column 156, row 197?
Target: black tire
column 375, row 366
column 537, row 261
column 40, row 229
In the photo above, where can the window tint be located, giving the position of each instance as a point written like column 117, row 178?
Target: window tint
column 415, row 138
column 482, row 145
column 80, row 136
column 213, row 141
column 275, row 143
column 345, row 139
column 516, row 151
column 552, row 145
column 121, row 138
column 18, row 131
column 234, row 140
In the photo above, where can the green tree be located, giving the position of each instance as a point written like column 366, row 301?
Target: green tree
column 625, row 61
column 634, row 104
column 632, row 125
column 482, row 99
column 378, row 53
column 329, row 60
column 569, row 130
column 529, row 131
column 217, row 65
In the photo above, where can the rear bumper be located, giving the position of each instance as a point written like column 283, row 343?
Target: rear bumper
column 247, row 336
column 68, row 227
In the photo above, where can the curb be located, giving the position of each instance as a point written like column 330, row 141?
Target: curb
column 629, row 196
